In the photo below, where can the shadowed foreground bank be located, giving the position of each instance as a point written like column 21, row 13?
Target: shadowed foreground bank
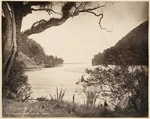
column 53, row 108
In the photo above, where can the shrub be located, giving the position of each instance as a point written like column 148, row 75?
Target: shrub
column 16, row 87
column 114, row 82
column 60, row 94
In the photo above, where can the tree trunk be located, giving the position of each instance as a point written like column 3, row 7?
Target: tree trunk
column 9, row 46
column 19, row 14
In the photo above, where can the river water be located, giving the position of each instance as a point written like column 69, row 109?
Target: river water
column 44, row 81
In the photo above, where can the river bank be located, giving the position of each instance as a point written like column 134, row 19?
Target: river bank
column 44, row 81
column 33, row 109
column 53, row 108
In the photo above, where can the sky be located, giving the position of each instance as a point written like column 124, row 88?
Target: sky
column 80, row 37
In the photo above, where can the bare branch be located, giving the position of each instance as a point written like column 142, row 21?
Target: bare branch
column 95, row 8
column 77, row 8
column 89, row 10
column 92, row 13
column 101, row 25
column 48, row 10
column 69, row 9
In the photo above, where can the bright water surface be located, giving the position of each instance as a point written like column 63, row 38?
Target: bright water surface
column 44, row 81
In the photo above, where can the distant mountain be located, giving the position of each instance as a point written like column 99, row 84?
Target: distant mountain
column 130, row 50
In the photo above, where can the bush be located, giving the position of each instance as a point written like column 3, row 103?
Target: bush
column 16, row 87
column 60, row 94
column 114, row 82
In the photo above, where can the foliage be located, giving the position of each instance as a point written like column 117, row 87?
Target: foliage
column 60, row 94
column 35, row 51
column 52, row 61
column 112, row 82
column 91, row 97
column 130, row 50
column 16, row 87
column 120, row 78
column 42, row 99
column 53, row 108
column 35, row 109
column 13, row 14
column 62, row 11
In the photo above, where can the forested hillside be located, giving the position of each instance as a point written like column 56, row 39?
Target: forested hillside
column 130, row 50
column 33, row 55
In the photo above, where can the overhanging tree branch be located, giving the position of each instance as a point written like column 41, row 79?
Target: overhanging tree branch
column 101, row 25
column 97, row 15
column 97, row 7
column 48, row 10
column 42, row 25
column 69, row 9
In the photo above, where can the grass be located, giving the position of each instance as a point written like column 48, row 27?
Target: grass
column 51, row 108
column 60, row 94
column 91, row 98
column 55, row 108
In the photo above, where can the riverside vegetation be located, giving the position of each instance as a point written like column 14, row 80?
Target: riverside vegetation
column 32, row 54
column 16, row 90
column 108, row 83
column 119, row 81
column 132, row 49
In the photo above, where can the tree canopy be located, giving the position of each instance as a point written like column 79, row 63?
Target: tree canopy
column 61, row 12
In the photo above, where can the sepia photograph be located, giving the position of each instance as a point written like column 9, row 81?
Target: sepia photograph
column 75, row 59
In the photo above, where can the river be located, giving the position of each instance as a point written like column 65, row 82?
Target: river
column 44, row 81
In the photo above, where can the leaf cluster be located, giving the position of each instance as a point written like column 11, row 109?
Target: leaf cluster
column 17, row 86
column 112, row 82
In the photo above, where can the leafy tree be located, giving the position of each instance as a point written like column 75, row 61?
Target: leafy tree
column 53, row 61
column 113, row 82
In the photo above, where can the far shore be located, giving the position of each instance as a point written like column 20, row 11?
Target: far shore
column 39, row 67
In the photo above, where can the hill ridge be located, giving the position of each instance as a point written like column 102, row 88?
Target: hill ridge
column 132, row 49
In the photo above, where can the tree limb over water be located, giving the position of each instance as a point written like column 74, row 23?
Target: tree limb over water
column 68, row 9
